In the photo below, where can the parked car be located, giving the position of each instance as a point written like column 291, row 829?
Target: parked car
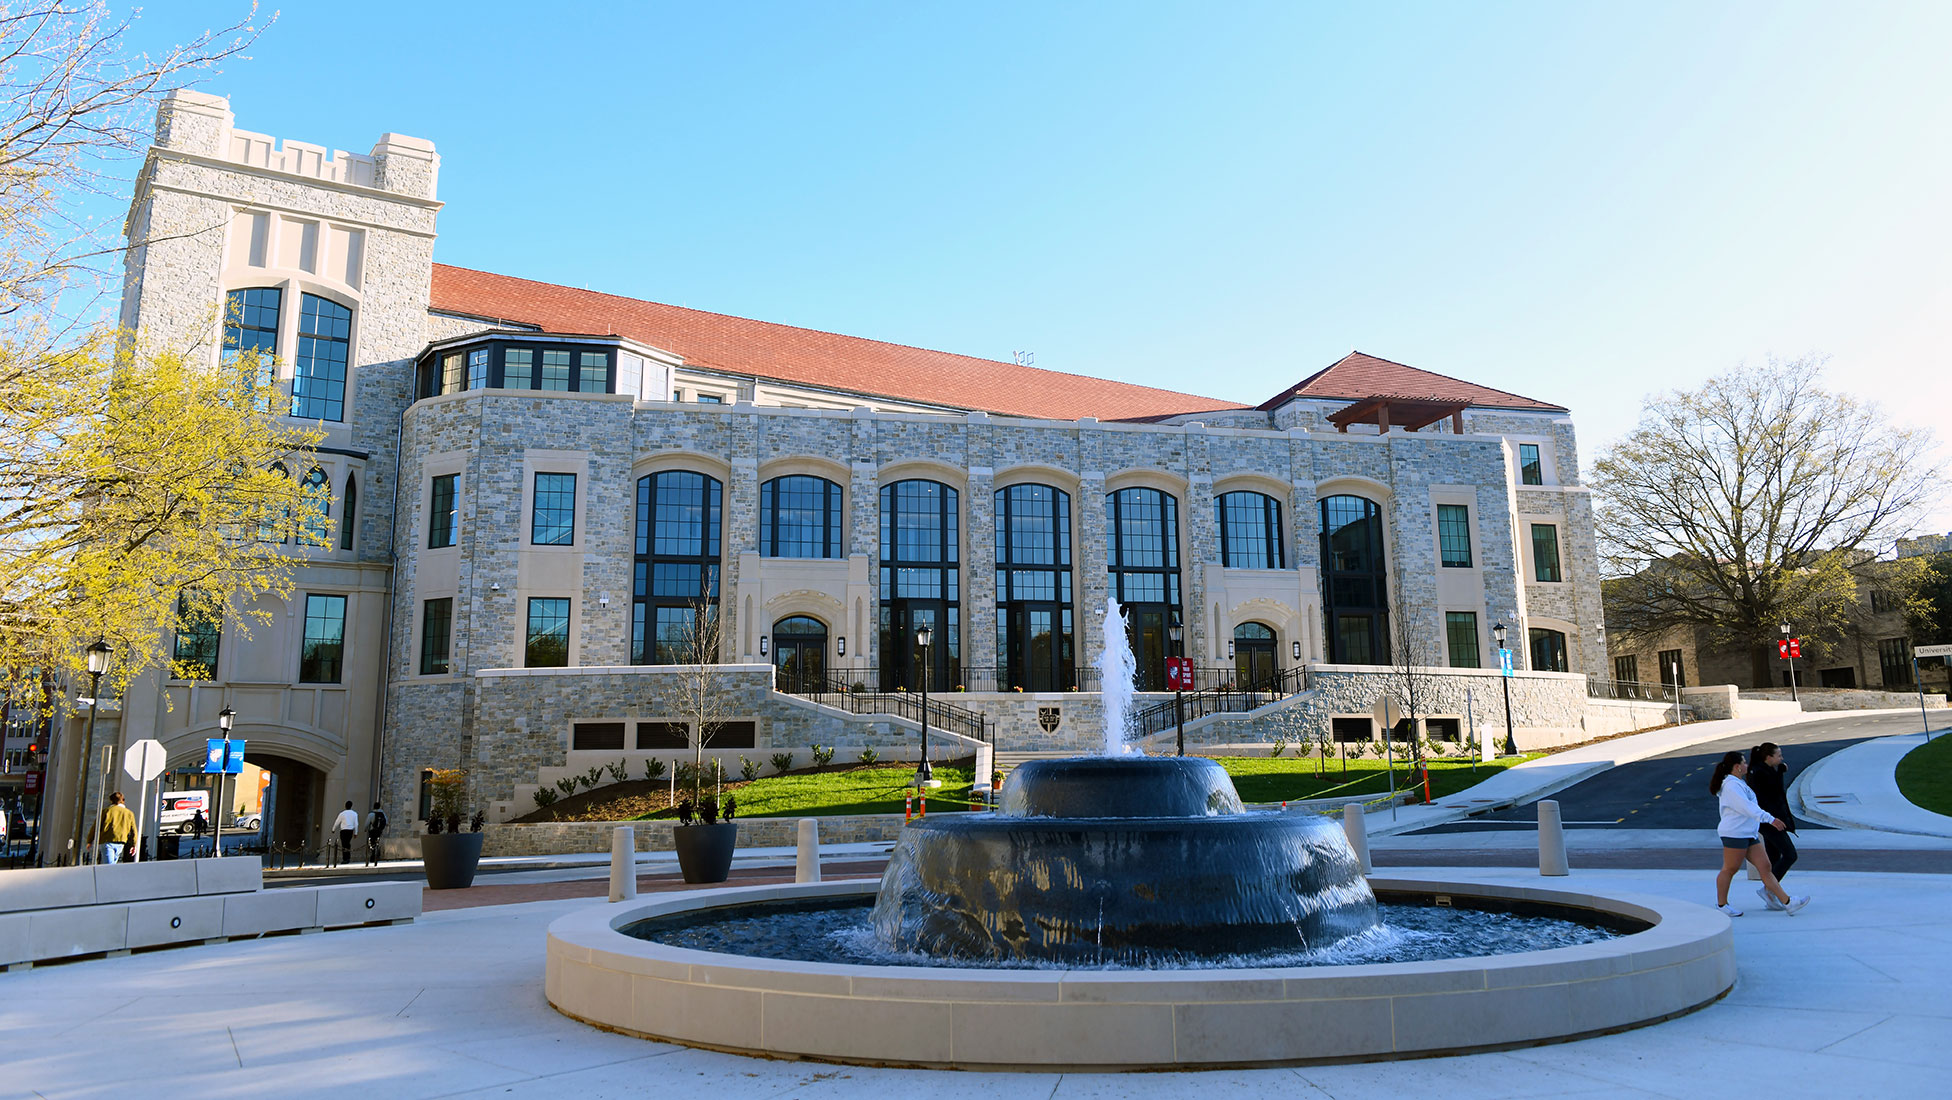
column 252, row 822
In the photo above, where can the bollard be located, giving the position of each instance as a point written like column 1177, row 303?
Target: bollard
column 1552, row 840
column 1357, row 827
column 806, row 862
column 907, row 808
column 623, row 863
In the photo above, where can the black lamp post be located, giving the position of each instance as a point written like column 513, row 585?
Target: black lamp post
column 225, row 718
column 1179, row 693
column 924, row 774
column 98, row 656
column 1511, row 739
column 1789, row 656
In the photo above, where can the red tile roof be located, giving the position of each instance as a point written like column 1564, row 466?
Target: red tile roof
column 782, row 353
column 1357, row 376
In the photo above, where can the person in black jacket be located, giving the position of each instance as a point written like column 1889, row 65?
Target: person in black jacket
column 1766, row 774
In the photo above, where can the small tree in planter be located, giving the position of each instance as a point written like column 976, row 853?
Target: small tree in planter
column 704, row 847
column 449, row 856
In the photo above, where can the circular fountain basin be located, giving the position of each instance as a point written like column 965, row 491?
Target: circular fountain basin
column 1079, row 1019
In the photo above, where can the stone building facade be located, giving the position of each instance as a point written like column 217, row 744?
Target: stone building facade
column 537, row 485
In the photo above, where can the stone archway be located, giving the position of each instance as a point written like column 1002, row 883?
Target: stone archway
column 294, row 804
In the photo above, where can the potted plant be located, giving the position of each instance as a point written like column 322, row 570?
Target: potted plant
column 448, row 855
column 704, row 838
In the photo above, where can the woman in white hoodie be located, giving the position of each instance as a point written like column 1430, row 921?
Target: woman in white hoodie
column 1741, row 825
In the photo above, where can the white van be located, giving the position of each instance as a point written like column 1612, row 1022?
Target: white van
column 180, row 807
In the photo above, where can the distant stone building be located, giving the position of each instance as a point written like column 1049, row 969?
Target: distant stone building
column 535, row 485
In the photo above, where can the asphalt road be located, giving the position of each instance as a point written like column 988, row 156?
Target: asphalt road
column 1671, row 791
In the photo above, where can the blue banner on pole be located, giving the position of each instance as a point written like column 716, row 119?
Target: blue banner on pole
column 223, row 757
column 1504, row 662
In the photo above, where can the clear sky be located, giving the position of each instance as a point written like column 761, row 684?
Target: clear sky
column 1582, row 203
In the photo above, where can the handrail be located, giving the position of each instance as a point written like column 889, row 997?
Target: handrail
column 1227, row 699
column 1597, row 688
column 834, row 691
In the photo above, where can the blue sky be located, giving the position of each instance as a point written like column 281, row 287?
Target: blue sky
column 1583, row 203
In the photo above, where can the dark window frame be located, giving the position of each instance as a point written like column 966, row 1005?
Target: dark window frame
column 443, row 500
column 453, row 368
column 1674, row 668
column 1548, row 649
column 829, row 528
column 1454, row 536
column 1546, row 568
column 321, row 656
column 1531, row 467
column 436, row 645
column 662, row 560
column 1894, row 658
column 204, row 637
column 1034, row 576
column 555, row 616
column 324, row 359
column 1241, row 546
column 348, row 512
column 560, row 520
column 1463, row 624
column 919, row 568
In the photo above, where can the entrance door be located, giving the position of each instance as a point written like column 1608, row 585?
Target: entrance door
column 800, row 654
column 1036, row 659
column 901, row 655
column 1145, row 628
column 1254, row 656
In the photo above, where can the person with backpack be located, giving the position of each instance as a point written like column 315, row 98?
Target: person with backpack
column 1766, row 777
column 375, row 829
column 1741, row 818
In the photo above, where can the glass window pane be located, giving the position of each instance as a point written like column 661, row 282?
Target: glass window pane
column 251, row 325
column 1461, row 627
column 555, row 370
column 323, row 646
column 553, row 522
column 677, row 567
column 436, row 619
column 799, row 517
column 443, row 513
column 348, row 513
column 1454, row 533
column 593, row 372
column 1530, row 470
column 477, row 368
column 197, row 640
column 1548, row 650
column 518, row 369
column 548, row 633
column 318, row 385
column 1250, row 530
column 1545, row 552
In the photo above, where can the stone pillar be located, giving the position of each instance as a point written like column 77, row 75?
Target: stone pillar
column 864, row 539
column 1093, row 581
column 406, row 165
column 740, row 535
column 196, row 122
column 978, row 553
column 1202, row 550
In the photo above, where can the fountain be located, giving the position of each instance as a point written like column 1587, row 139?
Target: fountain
column 1123, row 912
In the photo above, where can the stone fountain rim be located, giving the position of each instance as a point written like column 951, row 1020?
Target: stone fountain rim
column 1124, row 1019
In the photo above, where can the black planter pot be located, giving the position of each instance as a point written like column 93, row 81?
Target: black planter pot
column 705, row 851
column 451, row 858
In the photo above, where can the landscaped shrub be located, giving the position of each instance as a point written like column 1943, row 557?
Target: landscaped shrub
column 620, row 771
column 748, row 767
column 869, row 756
column 1280, row 743
column 544, row 797
column 782, row 761
column 567, row 786
column 594, row 776
column 823, row 755
column 653, row 769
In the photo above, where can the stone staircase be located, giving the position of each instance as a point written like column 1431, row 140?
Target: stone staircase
column 1006, row 762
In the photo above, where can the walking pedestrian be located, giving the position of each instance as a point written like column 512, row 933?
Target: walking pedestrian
column 347, row 823
column 1741, row 819
column 198, row 826
column 375, row 829
column 1767, row 773
column 118, row 829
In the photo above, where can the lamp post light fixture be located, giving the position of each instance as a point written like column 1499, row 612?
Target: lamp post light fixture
column 1504, row 655
column 840, row 645
column 1295, row 648
column 225, row 719
column 98, row 657
column 924, row 775
column 762, row 645
column 1790, row 656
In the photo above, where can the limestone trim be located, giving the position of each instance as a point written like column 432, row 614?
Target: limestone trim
column 696, row 462
column 1039, row 474
column 159, row 154
column 926, row 469
column 1133, row 477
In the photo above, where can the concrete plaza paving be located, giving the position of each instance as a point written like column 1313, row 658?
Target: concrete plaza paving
column 1847, row 999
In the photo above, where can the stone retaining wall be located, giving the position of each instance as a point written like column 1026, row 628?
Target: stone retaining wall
column 559, row 838
column 1814, row 699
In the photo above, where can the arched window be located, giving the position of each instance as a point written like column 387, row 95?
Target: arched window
column 1355, row 582
column 348, row 512
column 799, row 517
column 1034, row 633
column 800, row 654
column 920, row 585
column 1250, row 531
column 318, row 384
column 317, row 528
column 275, row 524
column 1254, row 656
column 1144, row 559
column 251, row 325
column 675, row 575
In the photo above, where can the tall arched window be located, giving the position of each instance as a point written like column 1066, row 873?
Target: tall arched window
column 800, row 654
column 251, row 325
column 317, row 530
column 1034, row 634
column 675, row 576
column 348, row 512
column 1355, row 582
column 1250, row 531
column 920, row 585
column 318, row 383
column 799, row 517
column 1144, row 559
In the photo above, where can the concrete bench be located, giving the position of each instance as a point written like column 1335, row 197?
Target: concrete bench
column 64, row 912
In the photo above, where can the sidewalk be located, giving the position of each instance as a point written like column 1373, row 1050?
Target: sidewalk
column 597, row 863
column 1536, row 779
column 1857, row 788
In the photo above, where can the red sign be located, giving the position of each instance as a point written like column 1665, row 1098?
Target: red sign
column 1179, row 674
column 1789, row 647
column 33, row 783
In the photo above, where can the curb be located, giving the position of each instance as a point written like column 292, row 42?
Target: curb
column 1800, row 795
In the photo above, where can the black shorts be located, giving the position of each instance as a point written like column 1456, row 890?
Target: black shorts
column 1741, row 843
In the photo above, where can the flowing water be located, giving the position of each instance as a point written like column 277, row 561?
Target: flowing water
column 1117, row 670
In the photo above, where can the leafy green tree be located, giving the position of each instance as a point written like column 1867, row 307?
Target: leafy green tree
column 1756, row 500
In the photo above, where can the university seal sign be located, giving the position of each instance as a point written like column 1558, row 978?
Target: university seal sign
column 1048, row 719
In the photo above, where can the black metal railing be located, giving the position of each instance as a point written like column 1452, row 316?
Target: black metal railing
column 1629, row 689
column 836, row 691
column 1230, row 697
column 1000, row 678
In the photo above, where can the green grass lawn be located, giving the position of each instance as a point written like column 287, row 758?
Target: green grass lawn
column 869, row 790
column 1290, row 778
column 1925, row 775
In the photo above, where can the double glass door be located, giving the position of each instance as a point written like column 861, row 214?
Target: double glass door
column 902, row 657
column 800, row 654
column 1037, row 649
column 1145, row 628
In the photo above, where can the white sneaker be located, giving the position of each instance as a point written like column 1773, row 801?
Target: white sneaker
column 1729, row 909
column 1796, row 904
column 1768, row 899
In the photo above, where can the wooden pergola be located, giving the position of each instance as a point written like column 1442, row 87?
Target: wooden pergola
column 1389, row 410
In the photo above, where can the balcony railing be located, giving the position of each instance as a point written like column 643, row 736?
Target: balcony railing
column 834, row 691
column 1629, row 690
column 1230, row 697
